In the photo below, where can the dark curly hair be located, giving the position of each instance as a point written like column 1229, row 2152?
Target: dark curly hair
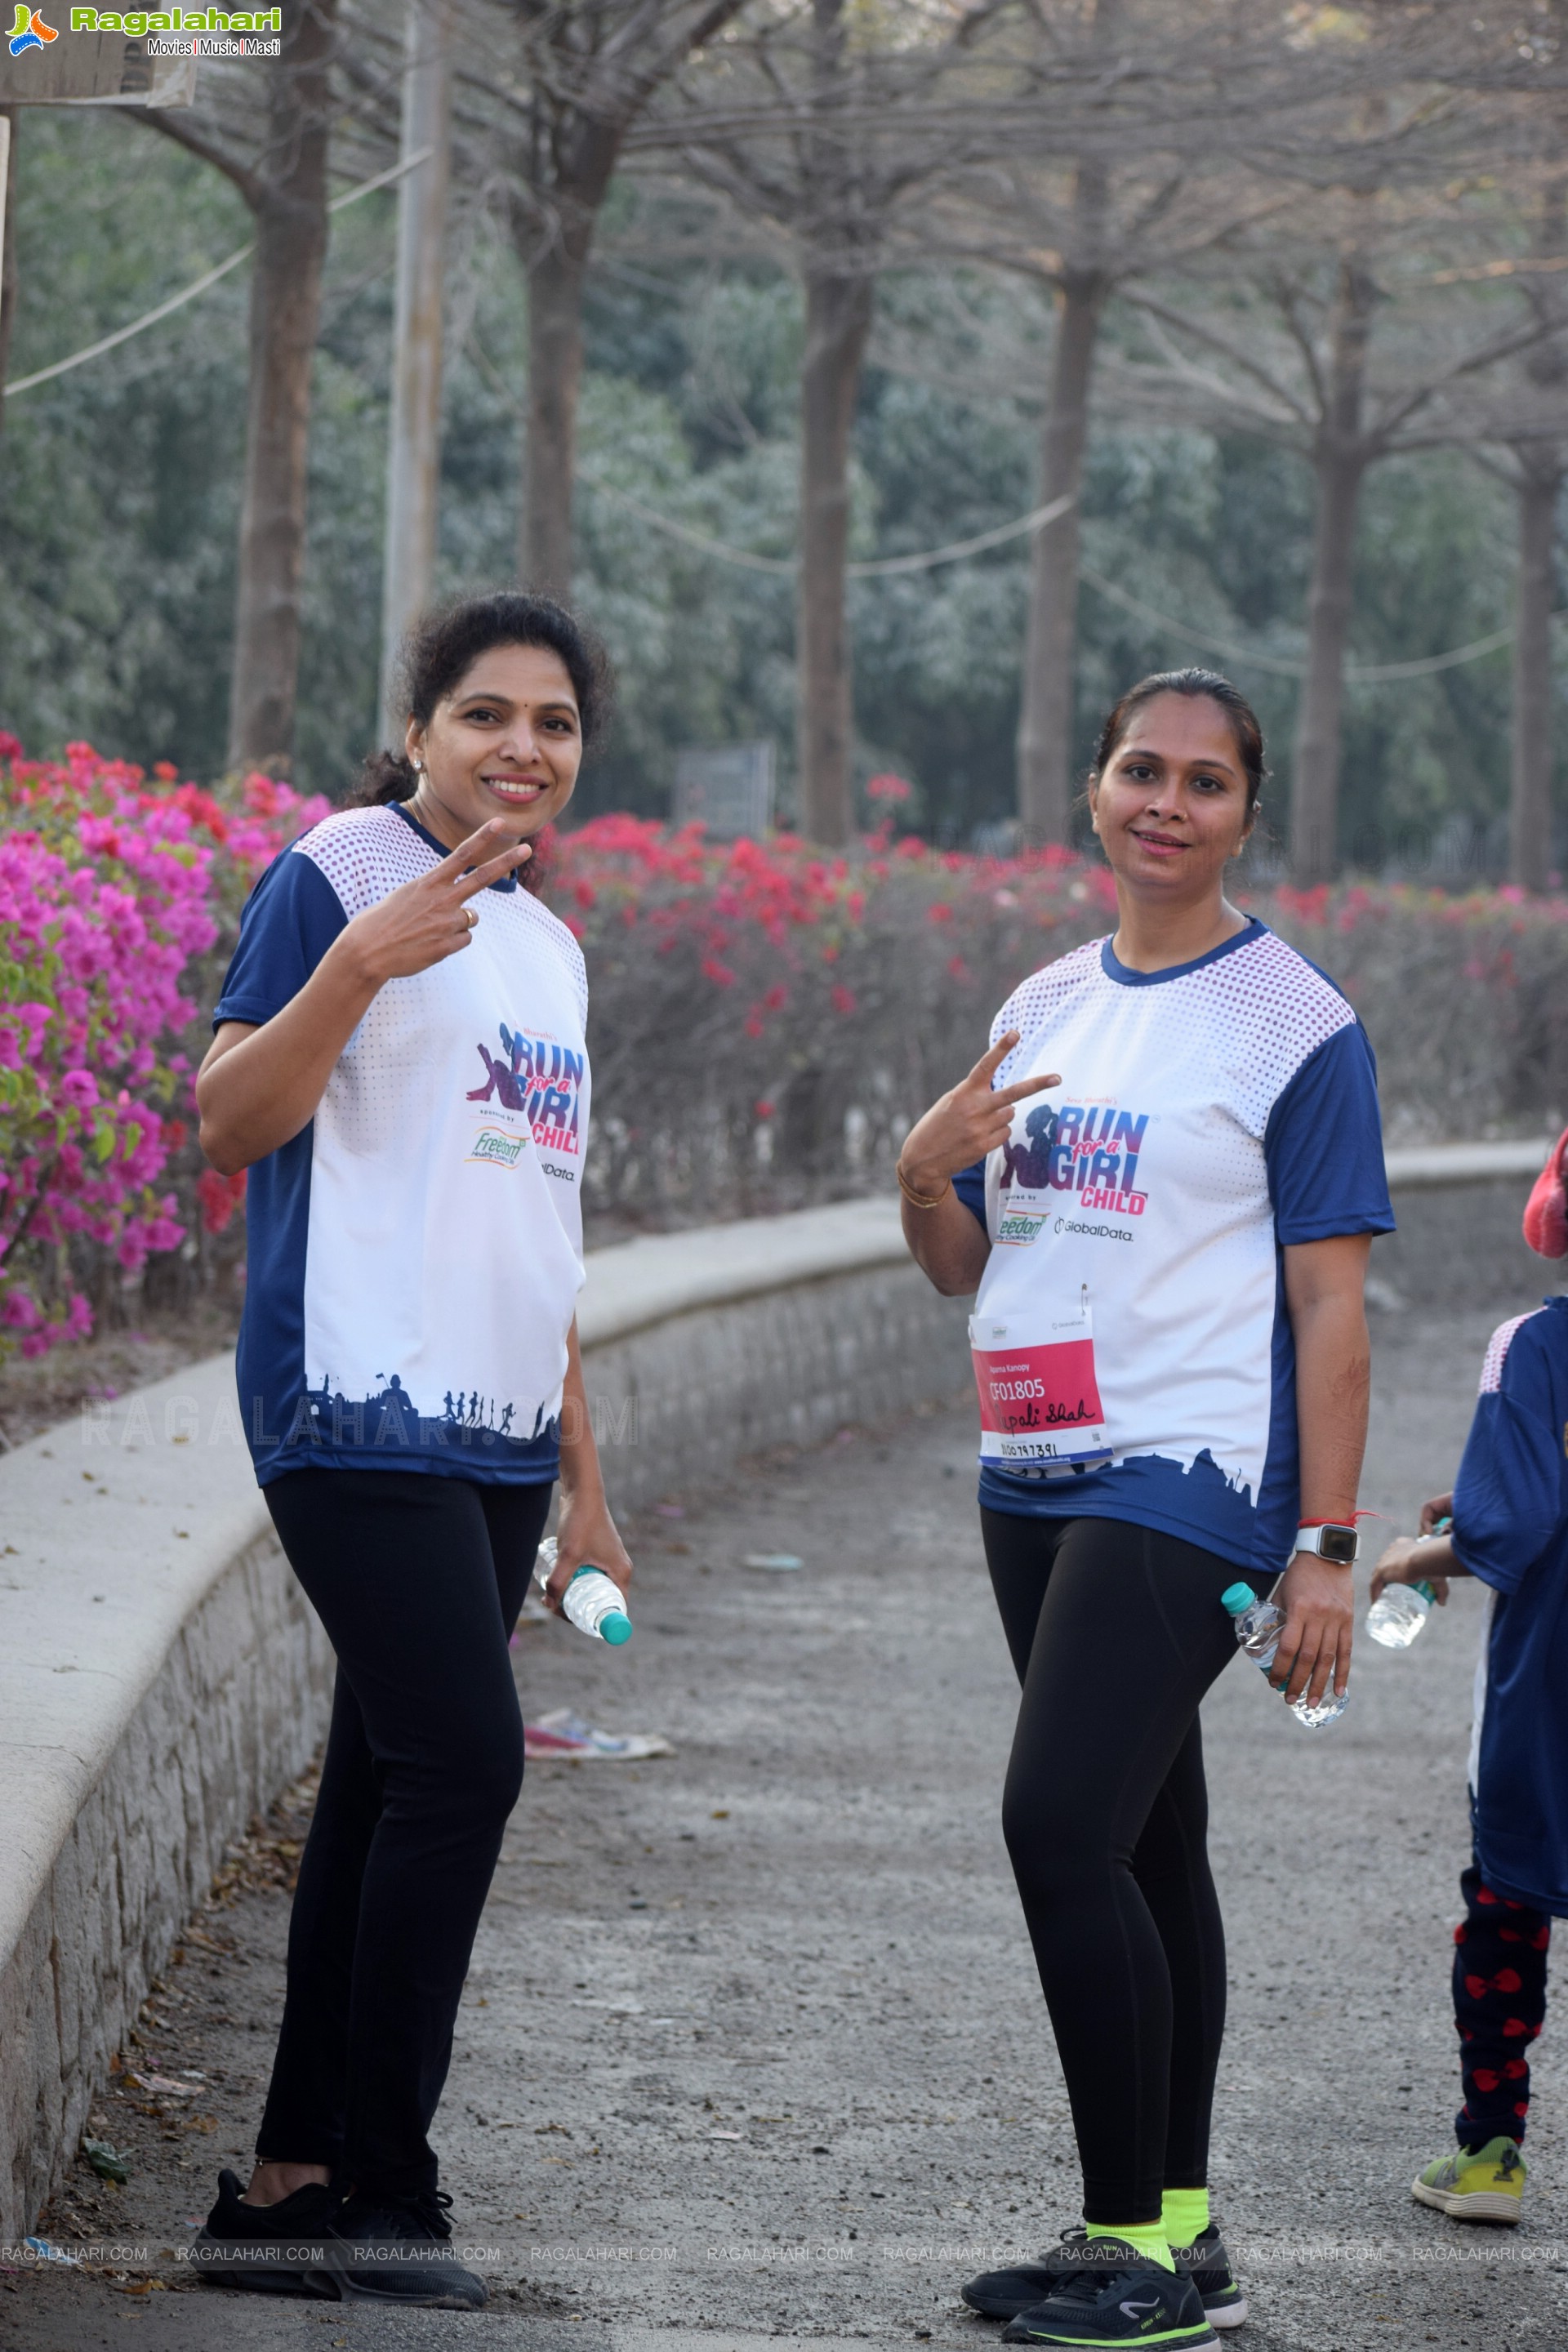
column 1195, row 684
column 438, row 652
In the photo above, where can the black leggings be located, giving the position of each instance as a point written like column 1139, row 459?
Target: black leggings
column 1116, row 1632
column 419, row 1581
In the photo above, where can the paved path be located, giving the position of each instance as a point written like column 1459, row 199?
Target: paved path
column 752, row 2049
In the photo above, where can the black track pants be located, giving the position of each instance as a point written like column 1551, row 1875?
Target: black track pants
column 418, row 1581
column 1116, row 1632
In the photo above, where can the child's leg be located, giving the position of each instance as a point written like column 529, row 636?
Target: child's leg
column 1499, row 2002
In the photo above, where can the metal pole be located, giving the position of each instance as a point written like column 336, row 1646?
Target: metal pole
column 414, row 452
column 7, row 291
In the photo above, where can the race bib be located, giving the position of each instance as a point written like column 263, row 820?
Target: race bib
column 1039, row 1399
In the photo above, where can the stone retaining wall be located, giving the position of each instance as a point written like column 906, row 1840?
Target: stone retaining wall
column 161, row 1677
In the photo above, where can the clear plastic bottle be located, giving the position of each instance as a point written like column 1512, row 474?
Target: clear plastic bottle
column 593, row 1601
column 1258, row 1624
column 1398, row 1613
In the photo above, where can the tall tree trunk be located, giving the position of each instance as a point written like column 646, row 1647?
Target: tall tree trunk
column 8, row 117
column 1530, row 859
column 555, row 383
column 285, row 311
column 838, row 320
column 1341, row 455
column 1046, row 716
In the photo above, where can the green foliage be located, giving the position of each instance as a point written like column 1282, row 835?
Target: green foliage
column 119, row 495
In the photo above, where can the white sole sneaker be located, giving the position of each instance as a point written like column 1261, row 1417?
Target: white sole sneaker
column 1481, row 2205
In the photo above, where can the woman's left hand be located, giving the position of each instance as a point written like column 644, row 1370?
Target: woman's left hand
column 585, row 1536
column 1318, row 1601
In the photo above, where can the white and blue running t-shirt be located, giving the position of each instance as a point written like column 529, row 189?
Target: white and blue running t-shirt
column 1208, row 1116
column 415, row 1253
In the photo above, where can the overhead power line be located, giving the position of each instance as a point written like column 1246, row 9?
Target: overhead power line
column 884, row 567
column 1278, row 664
column 198, row 285
column 877, row 568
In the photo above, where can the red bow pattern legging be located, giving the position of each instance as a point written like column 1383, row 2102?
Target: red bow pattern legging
column 1499, row 2002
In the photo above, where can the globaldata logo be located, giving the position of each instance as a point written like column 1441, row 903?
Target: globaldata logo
column 29, row 31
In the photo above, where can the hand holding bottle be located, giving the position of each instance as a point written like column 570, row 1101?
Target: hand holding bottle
column 1409, row 1577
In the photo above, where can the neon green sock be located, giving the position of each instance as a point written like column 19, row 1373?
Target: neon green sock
column 1149, row 2237
column 1184, row 2215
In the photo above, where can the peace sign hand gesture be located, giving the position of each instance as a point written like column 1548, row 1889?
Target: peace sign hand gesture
column 971, row 1119
column 430, row 919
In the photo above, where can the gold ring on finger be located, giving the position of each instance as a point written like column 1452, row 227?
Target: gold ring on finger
column 471, row 915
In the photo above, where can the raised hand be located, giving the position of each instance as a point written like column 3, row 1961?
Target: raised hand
column 430, row 919
column 971, row 1119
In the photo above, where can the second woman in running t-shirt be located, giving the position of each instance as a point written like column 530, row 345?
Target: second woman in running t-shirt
column 1162, row 1181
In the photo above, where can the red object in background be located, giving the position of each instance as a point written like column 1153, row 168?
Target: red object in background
column 1546, row 1213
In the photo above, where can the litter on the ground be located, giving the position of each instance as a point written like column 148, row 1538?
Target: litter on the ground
column 570, row 1737
column 48, row 2253
column 779, row 1563
column 162, row 2082
column 106, row 2161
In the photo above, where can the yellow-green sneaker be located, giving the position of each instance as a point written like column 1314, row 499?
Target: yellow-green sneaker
column 1484, row 2184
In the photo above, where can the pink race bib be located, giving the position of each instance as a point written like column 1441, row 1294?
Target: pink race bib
column 1039, row 1398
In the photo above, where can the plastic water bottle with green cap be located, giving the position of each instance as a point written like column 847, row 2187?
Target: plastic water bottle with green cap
column 1258, row 1625
column 593, row 1601
column 1399, row 1610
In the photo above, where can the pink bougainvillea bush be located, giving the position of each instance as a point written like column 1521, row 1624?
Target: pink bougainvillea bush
column 117, row 893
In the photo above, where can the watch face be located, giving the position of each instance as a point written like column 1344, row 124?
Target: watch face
column 1338, row 1544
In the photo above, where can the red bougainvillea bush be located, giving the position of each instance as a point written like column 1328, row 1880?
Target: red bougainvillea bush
column 766, row 1019
column 117, row 894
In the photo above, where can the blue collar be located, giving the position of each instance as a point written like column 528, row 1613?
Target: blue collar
column 505, row 882
column 1110, row 963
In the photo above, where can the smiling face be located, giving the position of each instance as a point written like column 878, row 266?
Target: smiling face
column 1170, row 803
column 506, row 742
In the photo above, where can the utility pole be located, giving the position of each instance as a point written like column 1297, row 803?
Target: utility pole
column 414, row 454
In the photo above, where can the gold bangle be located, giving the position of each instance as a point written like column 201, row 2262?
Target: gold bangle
column 921, row 1200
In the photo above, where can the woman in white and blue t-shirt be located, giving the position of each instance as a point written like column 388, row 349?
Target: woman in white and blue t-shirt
column 1162, row 1181
column 400, row 1062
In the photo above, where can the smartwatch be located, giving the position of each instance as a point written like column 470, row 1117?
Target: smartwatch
column 1332, row 1541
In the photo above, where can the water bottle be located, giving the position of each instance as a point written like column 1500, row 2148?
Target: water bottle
column 1258, row 1625
column 593, row 1601
column 1399, row 1610
column 1398, row 1613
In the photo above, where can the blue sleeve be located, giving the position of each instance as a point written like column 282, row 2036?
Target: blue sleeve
column 1508, row 1496
column 1323, row 1146
column 290, row 919
column 969, row 1186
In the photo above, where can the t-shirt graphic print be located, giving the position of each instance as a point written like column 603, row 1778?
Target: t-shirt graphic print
column 1207, row 1115
column 415, row 1253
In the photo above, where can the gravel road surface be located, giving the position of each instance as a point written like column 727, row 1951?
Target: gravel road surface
column 752, row 2049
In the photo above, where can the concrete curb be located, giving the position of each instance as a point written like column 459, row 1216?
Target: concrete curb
column 161, row 1677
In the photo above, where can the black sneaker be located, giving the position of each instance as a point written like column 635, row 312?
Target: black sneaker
column 396, row 2249
column 1207, row 2264
column 1003, row 2295
column 269, row 2249
column 1104, row 2292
